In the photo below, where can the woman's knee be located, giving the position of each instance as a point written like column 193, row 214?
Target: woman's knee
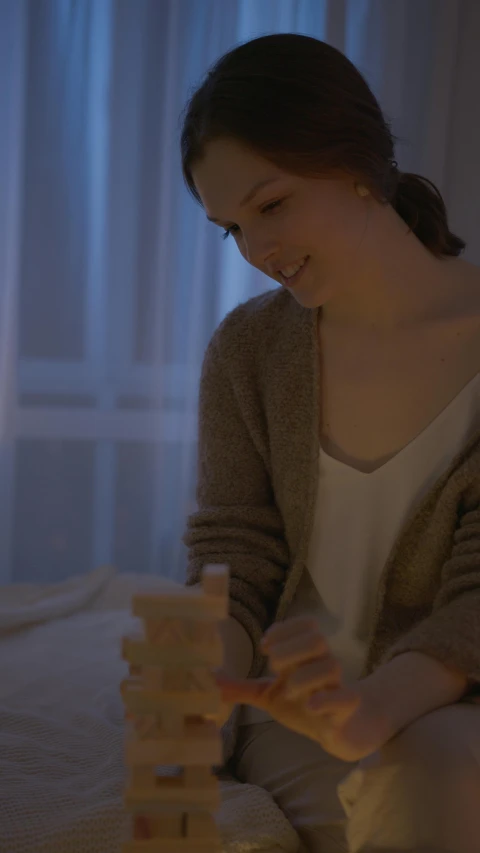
column 400, row 794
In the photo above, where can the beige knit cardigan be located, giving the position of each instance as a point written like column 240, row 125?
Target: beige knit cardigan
column 258, row 463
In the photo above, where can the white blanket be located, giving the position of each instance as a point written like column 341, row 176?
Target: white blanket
column 61, row 725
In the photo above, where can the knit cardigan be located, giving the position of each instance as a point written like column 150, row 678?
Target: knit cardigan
column 258, row 464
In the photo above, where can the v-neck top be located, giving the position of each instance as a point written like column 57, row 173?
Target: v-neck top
column 342, row 569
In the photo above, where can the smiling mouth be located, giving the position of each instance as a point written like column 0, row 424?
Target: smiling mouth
column 289, row 282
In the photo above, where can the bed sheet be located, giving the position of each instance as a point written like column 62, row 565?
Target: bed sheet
column 61, row 725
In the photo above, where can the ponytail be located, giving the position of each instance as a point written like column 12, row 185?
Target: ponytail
column 420, row 204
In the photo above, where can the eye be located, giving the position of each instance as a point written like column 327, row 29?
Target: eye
column 268, row 207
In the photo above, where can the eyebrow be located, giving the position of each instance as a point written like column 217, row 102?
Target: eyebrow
column 251, row 194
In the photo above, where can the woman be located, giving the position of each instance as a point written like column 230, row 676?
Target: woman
column 339, row 459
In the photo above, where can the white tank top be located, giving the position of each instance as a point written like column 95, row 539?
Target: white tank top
column 342, row 572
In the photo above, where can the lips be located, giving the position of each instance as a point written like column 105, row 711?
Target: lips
column 292, row 264
column 292, row 281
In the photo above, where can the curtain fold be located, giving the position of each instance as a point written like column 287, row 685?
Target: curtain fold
column 13, row 50
column 111, row 279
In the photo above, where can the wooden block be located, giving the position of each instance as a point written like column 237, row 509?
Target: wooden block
column 200, row 744
column 143, row 777
column 167, row 826
column 174, row 632
column 196, row 678
column 177, row 678
column 215, row 580
column 143, row 726
column 169, row 633
column 172, row 793
column 177, row 845
column 139, row 700
column 205, row 633
column 197, row 830
column 197, row 775
column 154, row 725
column 152, row 677
column 201, row 825
column 148, row 652
column 191, row 603
column 173, row 723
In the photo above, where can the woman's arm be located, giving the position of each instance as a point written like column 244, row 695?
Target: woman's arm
column 238, row 648
column 411, row 685
column 237, row 659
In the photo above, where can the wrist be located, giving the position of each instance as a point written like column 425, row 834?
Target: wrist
column 375, row 702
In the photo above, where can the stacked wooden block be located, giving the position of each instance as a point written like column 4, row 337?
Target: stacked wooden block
column 169, row 696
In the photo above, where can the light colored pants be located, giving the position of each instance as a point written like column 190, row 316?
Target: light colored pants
column 420, row 792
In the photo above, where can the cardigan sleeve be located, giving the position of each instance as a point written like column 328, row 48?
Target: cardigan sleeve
column 451, row 633
column 237, row 521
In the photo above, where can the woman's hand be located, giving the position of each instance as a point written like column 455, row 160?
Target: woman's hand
column 307, row 692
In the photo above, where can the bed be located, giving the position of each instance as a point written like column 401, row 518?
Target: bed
column 61, row 725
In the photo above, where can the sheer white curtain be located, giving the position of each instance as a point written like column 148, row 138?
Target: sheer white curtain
column 111, row 279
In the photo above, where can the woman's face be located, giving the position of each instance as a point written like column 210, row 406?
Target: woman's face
column 287, row 220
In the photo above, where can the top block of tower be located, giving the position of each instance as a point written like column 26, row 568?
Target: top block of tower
column 208, row 601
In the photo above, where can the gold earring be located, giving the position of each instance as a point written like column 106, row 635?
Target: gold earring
column 361, row 190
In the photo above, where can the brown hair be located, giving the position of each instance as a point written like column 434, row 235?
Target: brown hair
column 302, row 105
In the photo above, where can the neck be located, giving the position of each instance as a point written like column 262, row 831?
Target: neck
column 396, row 281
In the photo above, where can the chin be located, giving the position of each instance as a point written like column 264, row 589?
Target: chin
column 308, row 300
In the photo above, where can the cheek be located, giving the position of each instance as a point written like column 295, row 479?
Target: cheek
column 337, row 229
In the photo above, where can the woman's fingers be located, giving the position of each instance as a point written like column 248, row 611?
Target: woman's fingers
column 294, row 642
column 296, row 650
column 315, row 675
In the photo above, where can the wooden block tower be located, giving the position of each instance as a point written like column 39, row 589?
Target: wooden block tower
column 169, row 696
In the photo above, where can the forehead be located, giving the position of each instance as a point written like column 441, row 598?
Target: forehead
column 227, row 172
column 224, row 155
